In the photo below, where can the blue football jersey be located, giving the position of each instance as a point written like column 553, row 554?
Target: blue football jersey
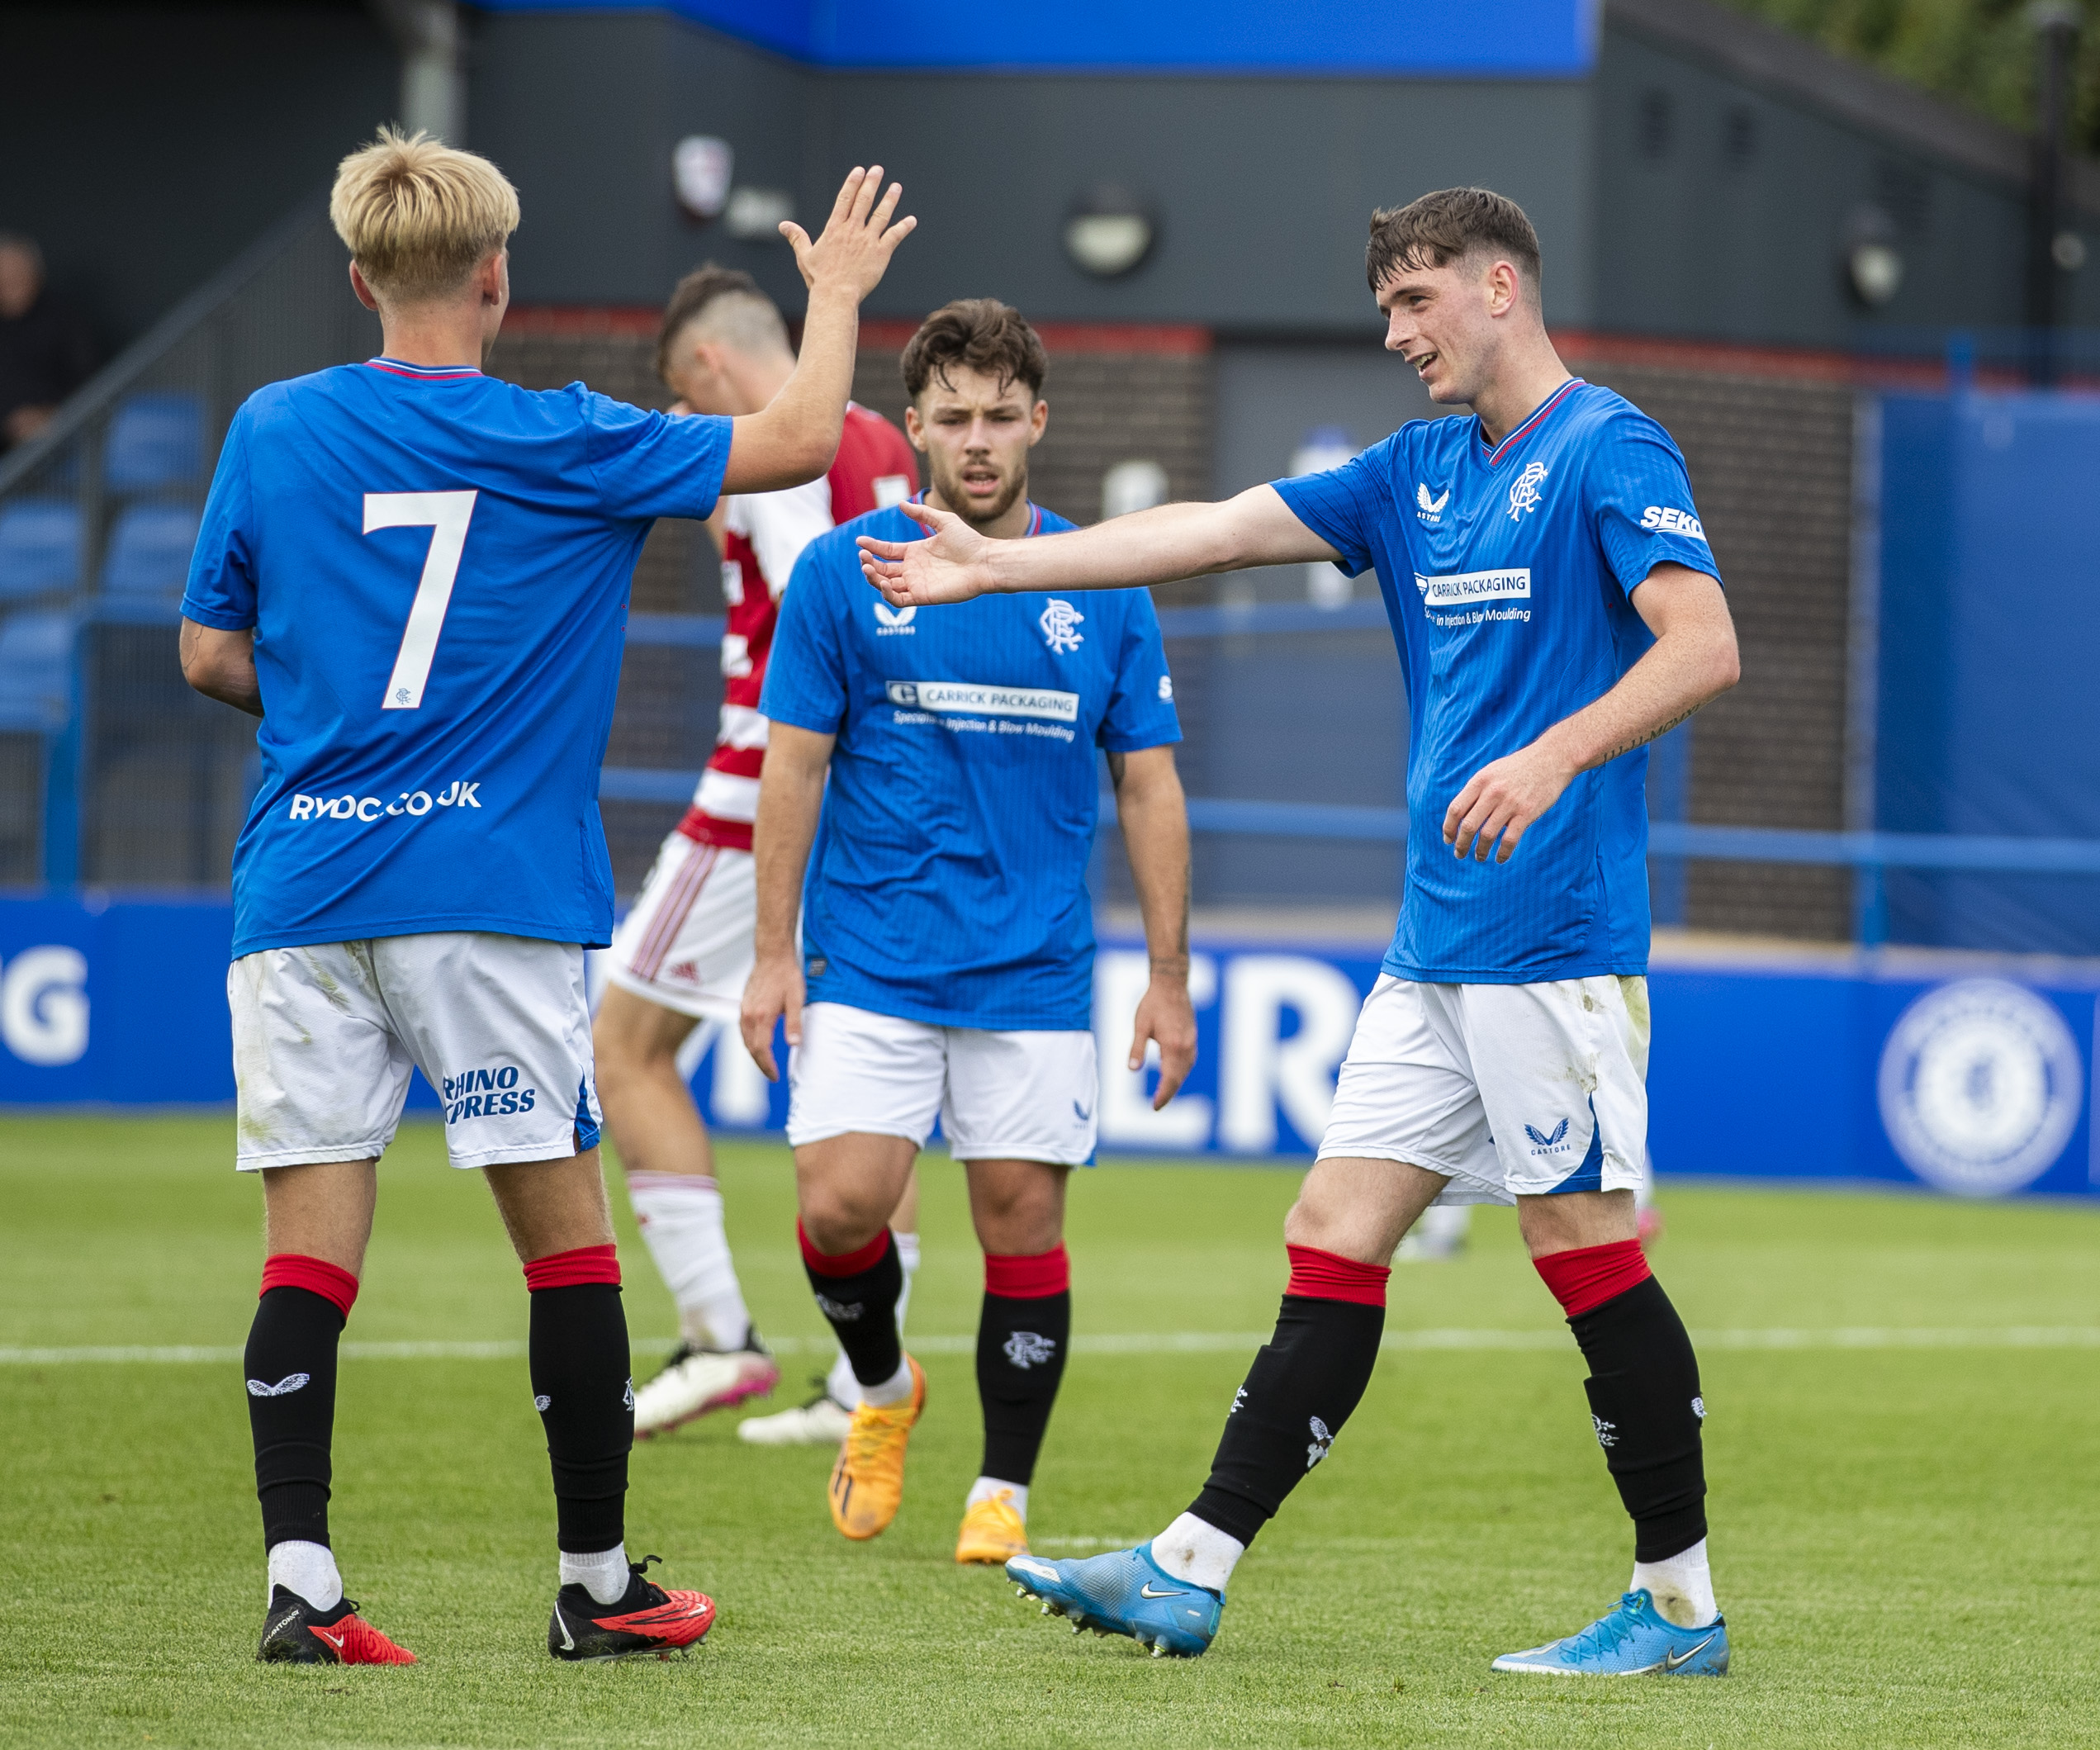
column 1508, row 575
column 436, row 567
column 948, row 881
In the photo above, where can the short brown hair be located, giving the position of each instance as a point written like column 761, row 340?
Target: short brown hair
column 754, row 320
column 420, row 216
column 1439, row 229
column 978, row 334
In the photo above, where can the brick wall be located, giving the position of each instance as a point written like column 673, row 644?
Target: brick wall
column 1768, row 441
column 1770, row 458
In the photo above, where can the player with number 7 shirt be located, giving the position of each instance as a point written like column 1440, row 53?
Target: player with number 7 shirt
column 416, row 575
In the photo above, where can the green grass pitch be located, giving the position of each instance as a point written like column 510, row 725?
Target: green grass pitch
column 1904, row 1531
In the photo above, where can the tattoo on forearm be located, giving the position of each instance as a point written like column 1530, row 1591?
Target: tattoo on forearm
column 1654, row 734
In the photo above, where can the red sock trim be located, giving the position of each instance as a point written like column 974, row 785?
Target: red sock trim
column 572, row 1270
column 1032, row 1277
column 842, row 1264
column 1591, row 1275
column 315, row 1275
column 1328, row 1276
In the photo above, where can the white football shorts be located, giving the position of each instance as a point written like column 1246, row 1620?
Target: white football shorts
column 1019, row 1096
column 1511, row 1090
column 324, row 1037
column 687, row 943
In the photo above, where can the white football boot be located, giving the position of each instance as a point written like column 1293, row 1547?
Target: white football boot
column 822, row 1421
column 694, row 1381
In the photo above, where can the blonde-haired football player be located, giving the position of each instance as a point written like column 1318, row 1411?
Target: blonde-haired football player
column 416, row 575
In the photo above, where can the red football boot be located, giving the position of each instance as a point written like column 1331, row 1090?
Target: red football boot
column 648, row 1621
column 295, row 1632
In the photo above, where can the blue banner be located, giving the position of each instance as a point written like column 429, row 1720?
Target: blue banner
column 1978, row 1082
column 1519, row 38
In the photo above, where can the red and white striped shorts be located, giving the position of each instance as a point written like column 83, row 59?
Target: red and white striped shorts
column 687, row 944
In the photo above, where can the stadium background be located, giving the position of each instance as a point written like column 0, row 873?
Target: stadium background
column 1877, row 870
column 1895, row 485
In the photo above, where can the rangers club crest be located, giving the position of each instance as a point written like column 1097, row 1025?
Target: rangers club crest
column 1060, row 623
column 1026, row 1348
column 1523, row 491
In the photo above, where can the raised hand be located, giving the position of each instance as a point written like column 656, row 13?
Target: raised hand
column 953, row 566
column 858, row 239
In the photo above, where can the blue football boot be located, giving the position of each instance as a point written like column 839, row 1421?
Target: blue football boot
column 1126, row 1592
column 1629, row 1640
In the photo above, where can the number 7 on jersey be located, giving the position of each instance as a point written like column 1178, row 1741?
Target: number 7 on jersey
column 446, row 514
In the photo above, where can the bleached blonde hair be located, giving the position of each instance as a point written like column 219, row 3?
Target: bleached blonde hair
column 420, row 216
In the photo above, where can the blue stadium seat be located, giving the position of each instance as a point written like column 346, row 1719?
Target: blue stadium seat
column 37, row 670
column 155, row 440
column 40, row 548
column 150, row 551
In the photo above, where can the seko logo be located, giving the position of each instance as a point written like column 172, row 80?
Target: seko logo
column 1665, row 520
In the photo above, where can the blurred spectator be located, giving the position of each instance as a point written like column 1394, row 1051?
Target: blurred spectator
column 45, row 351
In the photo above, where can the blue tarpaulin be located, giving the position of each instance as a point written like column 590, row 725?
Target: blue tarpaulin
column 1989, row 716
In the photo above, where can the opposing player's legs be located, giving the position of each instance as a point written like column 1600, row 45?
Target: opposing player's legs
column 719, row 1360
column 679, row 957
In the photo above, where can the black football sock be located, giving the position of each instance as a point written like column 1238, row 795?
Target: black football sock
column 582, row 1388
column 1022, row 1334
column 1303, row 1386
column 1646, row 1406
column 857, row 1293
column 289, row 1368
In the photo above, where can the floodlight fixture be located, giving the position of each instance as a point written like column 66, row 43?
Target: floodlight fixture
column 1109, row 231
column 701, row 166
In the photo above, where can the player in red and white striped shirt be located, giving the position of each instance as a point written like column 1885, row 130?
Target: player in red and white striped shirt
column 679, row 960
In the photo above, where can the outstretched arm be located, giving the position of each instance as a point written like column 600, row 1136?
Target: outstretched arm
column 1154, row 815
column 1146, row 547
column 794, row 436
column 1693, row 659
column 790, row 796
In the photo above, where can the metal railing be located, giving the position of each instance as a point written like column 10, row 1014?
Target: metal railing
column 1869, row 854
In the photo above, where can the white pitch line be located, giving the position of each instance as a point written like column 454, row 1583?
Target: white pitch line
column 1169, row 1343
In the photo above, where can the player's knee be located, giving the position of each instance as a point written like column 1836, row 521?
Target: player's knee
column 840, row 1217
column 1018, row 1208
column 1021, row 1229
column 1317, row 1219
column 1564, row 1221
